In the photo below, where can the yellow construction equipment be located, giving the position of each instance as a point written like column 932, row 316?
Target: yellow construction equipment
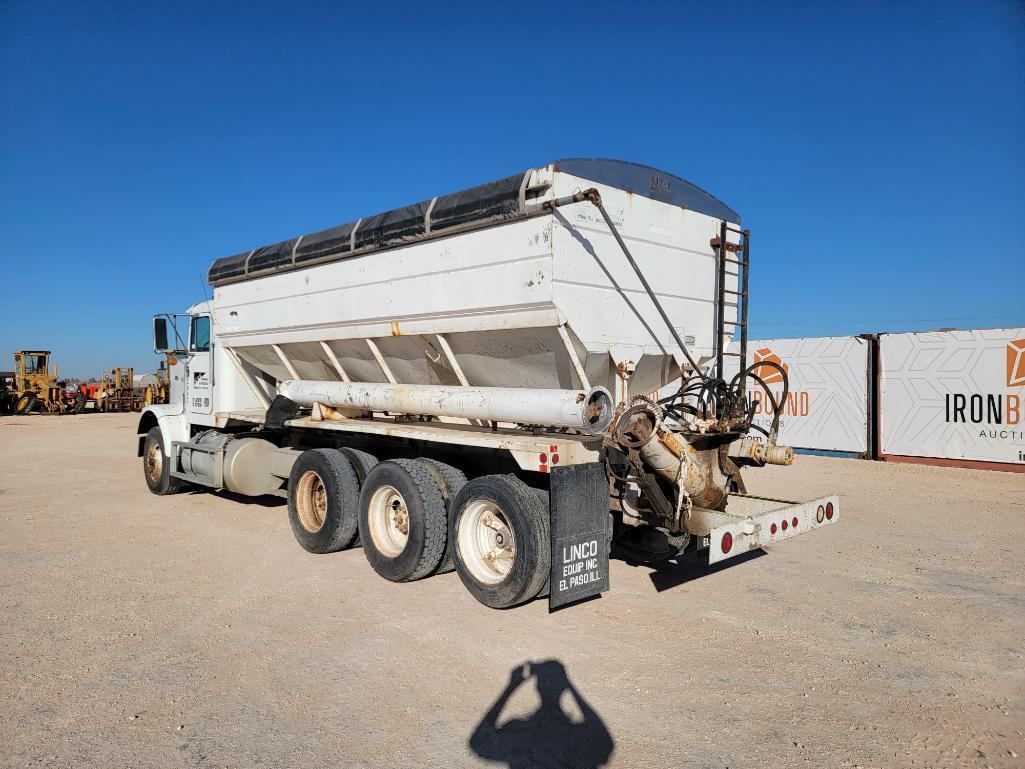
column 36, row 388
column 117, row 391
column 158, row 392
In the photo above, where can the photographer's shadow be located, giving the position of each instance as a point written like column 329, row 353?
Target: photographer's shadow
column 549, row 737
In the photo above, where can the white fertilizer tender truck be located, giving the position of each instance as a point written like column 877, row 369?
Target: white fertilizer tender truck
column 472, row 383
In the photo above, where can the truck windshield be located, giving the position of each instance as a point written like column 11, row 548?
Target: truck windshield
column 199, row 337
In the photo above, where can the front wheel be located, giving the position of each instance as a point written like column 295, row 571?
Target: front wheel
column 502, row 549
column 156, row 466
column 25, row 404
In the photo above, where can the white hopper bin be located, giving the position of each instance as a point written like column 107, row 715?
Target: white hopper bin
column 528, row 298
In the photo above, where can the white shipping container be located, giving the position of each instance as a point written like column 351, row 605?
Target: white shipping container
column 954, row 395
column 827, row 406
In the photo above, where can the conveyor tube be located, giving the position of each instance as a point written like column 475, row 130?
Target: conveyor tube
column 590, row 410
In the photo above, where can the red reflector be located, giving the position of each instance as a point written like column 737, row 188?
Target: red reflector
column 772, row 529
column 829, row 511
column 542, row 458
column 784, row 524
column 727, row 542
column 555, row 459
column 794, row 521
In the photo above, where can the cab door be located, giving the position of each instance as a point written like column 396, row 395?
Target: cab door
column 199, row 372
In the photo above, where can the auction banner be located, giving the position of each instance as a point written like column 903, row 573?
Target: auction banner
column 826, row 407
column 955, row 395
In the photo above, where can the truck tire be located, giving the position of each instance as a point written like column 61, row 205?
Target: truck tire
column 79, row 406
column 450, row 480
column 25, row 404
column 323, row 496
column 362, row 463
column 502, row 549
column 546, row 501
column 156, row 467
column 402, row 520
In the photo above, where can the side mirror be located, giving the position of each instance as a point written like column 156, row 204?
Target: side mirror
column 160, row 335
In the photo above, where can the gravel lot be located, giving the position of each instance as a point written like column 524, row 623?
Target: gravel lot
column 138, row 631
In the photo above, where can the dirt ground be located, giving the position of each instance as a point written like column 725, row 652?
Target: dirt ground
column 191, row 630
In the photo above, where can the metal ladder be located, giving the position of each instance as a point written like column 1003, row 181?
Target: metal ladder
column 742, row 260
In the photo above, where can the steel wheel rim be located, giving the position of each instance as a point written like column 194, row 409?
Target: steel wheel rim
column 486, row 542
column 311, row 501
column 388, row 519
column 154, row 462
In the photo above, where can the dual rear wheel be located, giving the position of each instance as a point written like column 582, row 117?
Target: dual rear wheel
column 502, row 549
column 323, row 491
column 418, row 517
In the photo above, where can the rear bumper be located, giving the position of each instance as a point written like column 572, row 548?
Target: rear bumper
column 755, row 522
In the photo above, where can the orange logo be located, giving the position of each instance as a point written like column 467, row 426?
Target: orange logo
column 1016, row 363
column 769, row 374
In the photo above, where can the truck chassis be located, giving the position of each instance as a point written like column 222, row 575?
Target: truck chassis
column 564, row 473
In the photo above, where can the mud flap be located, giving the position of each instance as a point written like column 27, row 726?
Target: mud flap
column 280, row 411
column 580, row 533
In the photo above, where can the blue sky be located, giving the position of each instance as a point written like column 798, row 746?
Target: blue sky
column 877, row 150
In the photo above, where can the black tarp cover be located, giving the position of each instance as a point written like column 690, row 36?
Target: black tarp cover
column 272, row 257
column 337, row 240
column 480, row 206
column 494, row 200
column 393, row 228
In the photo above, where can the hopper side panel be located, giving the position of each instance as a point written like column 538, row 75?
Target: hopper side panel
column 599, row 293
column 497, row 278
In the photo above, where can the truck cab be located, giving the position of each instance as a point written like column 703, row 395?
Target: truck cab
column 206, row 381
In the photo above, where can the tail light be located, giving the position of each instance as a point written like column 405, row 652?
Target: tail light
column 829, row 511
column 727, row 542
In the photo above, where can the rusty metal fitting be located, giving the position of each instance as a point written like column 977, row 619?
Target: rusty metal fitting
column 636, row 426
column 591, row 194
column 759, row 453
column 779, row 455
